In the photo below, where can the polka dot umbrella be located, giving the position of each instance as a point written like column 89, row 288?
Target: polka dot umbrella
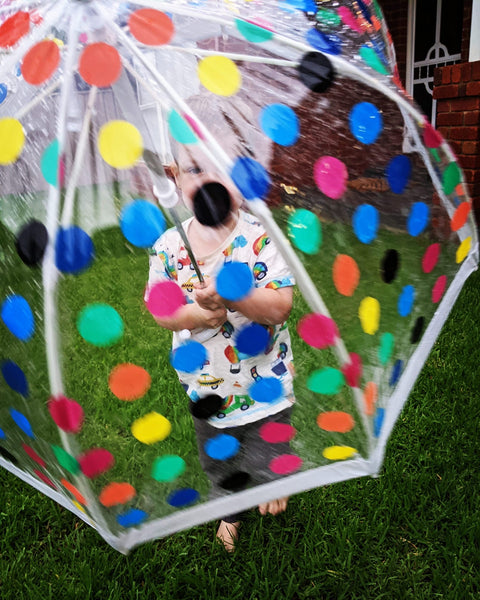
column 294, row 110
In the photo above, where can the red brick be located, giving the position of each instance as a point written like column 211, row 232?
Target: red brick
column 466, row 71
column 471, row 118
column 443, row 106
column 445, row 91
column 469, row 175
column 456, row 74
column 470, row 162
column 446, row 75
column 455, row 146
column 465, row 133
column 471, row 148
column 465, row 104
column 444, row 131
column 455, row 118
column 473, row 88
column 476, row 70
column 437, row 77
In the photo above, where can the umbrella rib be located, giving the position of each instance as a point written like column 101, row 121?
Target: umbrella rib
column 37, row 99
column 234, row 56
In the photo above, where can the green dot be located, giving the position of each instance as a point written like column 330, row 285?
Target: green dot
column 168, row 467
column 66, row 460
column 100, row 325
column 326, row 381
column 436, row 155
column 180, row 129
column 49, row 163
column 372, row 60
column 386, row 347
column 451, row 177
column 305, row 231
column 253, row 33
column 329, row 18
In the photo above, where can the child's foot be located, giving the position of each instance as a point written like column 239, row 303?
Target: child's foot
column 274, row 507
column 228, row 534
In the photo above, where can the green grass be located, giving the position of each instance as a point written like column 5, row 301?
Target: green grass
column 412, row 533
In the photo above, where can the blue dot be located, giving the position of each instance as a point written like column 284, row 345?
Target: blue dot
column 325, row 42
column 234, row 281
column 250, row 177
column 22, row 422
column 418, row 218
column 3, row 92
column 280, row 123
column 378, row 421
column 15, row 377
column 131, row 517
column 396, row 372
column 18, row 317
column 365, row 223
column 399, row 170
column 189, row 357
column 222, row 447
column 183, row 497
column 252, row 339
column 406, row 300
column 73, row 250
column 366, row 122
column 142, row 223
column 3, row 435
column 267, row 389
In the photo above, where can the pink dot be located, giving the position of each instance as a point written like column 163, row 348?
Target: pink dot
column 349, row 19
column 45, row 479
column 439, row 288
column 331, row 176
column 193, row 124
column 95, row 462
column 67, row 414
column 275, row 433
column 430, row 258
column 352, row 371
column 165, row 298
column 317, row 330
column 285, row 464
column 431, row 137
column 34, row 456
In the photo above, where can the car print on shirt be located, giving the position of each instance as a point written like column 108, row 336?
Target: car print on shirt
column 260, row 271
column 278, row 366
column 233, row 403
column 189, row 285
column 207, row 380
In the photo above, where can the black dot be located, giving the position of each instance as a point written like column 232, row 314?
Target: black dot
column 390, row 265
column 417, row 330
column 31, row 243
column 206, row 407
column 316, row 71
column 212, row 204
column 7, row 456
column 235, row 482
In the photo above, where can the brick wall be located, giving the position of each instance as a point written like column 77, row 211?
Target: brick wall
column 457, row 91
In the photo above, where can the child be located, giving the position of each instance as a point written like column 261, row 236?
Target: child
column 219, row 394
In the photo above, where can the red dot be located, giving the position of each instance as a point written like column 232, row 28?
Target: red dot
column 285, row 464
column 276, row 433
column 431, row 137
column 67, row 414
column 165, row 298
column 317, row 330
column 40, row 62
column 100, row 64
column 439, row 288
column 34, row 456
column 95, row 462
column 45, row 479
column 151, row 27
column 14, row 28
column 430, row 258
column 352, row 371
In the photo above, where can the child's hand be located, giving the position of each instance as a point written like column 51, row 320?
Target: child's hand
column 210, row 318
column 206, row 296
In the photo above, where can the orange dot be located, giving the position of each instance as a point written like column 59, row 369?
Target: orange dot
column 100, row 64
column 117, row 493
column 74, row 491
column 338, row 421
column 346, row 275
column 460, row 216
column 129, row 382
column 14, row 28
column 40, row 62
column 151, row 27
column 370, row 395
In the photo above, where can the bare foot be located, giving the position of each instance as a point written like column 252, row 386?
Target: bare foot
column 274, row 507
column 228, row 534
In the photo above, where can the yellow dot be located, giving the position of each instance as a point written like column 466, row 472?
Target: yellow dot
column 463, row 249
column 219, row 75
column 339, row 452
column 78, row 505
column 12, row 140
column 369, row 313
column 120, row 144
column 151, row 428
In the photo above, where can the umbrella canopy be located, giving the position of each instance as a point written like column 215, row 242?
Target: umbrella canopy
column 364, row 200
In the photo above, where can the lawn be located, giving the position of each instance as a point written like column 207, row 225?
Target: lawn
column 412, row 533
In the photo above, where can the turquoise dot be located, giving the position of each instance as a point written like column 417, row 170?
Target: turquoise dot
column 385, row 350
column 399, row 170
column 183, row 497
column 142, row 223
column 365, row 223
column 132, row 517
column 280, row 123
column 222, row 447
column 234, row 281
column 22, row 422
column 168, row 467
column 49, row 163
column 18, row 317
column 406, row 300
column 100, row 325
column 366, row 122
column 250, row 177
column 189, row 357
column 266, row 390
column 305, row 230
column 252, row 32
column 180, row 130
column 418, row 218
column 326, row 381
